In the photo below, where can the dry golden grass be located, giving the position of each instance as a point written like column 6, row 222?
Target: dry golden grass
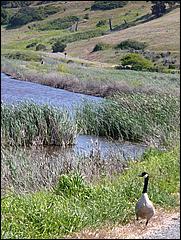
column 76, row 8
column 162, row 34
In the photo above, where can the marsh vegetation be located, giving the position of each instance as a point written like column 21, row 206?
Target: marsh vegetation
column 50, row 195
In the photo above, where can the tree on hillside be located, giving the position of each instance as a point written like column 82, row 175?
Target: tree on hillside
column 158, row 8
column 58, row 46
column 15, row 4
column 4, row 16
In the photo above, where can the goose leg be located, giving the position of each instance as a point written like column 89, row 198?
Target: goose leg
column 146, row 222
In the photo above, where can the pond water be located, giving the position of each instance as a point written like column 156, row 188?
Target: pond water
column 15, row 91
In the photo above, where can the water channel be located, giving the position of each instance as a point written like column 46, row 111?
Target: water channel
column 14, row 91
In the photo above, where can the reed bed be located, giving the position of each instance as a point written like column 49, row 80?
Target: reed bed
column 149, row 118
column 33, row 169
column 28, row 123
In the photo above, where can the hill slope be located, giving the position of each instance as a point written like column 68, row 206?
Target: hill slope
column 162, row 34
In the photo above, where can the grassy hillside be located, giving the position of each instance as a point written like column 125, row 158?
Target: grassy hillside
column 162, row 34
column 20, row 56
column 134, row 13
column 77, row 8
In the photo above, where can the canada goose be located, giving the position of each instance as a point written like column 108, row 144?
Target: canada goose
column 144, row 207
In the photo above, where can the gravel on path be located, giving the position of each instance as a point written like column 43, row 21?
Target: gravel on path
column 163, row 225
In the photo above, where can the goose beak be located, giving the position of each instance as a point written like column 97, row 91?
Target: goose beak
column 139, row 175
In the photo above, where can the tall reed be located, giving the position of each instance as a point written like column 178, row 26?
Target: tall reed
column 32, row 124
column 32, row 169
column 133, row 116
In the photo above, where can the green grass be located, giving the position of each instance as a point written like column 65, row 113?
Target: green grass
column 57, row 213
column 77, row 36
column 133, row 117
column 28, row 124
column 24, row 56
column 94, row 81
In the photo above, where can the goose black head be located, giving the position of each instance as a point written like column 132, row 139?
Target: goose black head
column 143, row 174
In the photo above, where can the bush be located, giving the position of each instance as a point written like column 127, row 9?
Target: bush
column 137, row 62
column 40, row 47
column 31, row 45
column 72, row 185
column 100, row 47
column 86, row 16
column 62, row 68
column 172, row 66
column 23, row 56
column 15, row 4
column 107, row 5
column 101, row 23
column 59, row 23
column 49, row 10
column 29, row 14
column 79, row 36
column 4, row 16
column 59, row 46
column 24, row 16
column 133, row 44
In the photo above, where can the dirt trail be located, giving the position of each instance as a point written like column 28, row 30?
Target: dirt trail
column 76, row 59
column 164, row 225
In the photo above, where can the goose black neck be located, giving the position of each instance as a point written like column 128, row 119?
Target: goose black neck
column 145, row 185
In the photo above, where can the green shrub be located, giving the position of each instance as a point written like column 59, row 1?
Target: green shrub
column 72, row 184
column 24, row 16
column 31, row 45
column 172, row 66
column 100, row 47
column 107, row 5
column 40, row 47
column 131, row 44
column 138, row 62
column 23, row 56
column 29, row 14
column 161, row 68
column 62, row 68
column 4, row 16
column 78, row 36
column 15, row 4
column 58, row 46
column 49, row 10
column 59, row 23
column 86, row 16
column 101, row 23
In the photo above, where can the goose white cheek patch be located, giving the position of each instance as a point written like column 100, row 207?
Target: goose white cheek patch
column 145, row 176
